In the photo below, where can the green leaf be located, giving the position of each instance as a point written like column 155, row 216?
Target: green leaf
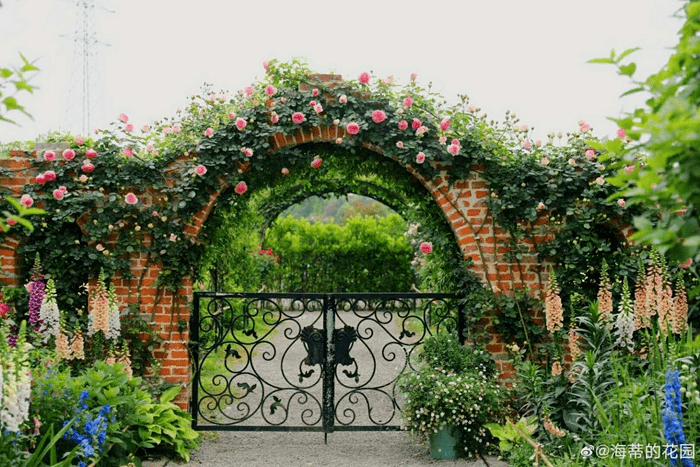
column 628, row 70
column 169, row 394
column 632, row 91
column 626, row 53
column 11, row 103
column 602, row 60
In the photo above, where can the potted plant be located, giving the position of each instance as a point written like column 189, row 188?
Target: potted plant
column 451, row 394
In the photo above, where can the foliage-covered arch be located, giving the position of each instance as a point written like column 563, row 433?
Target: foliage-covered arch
column 148, row 190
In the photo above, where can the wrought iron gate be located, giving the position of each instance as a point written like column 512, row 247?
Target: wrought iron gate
column 312, row 362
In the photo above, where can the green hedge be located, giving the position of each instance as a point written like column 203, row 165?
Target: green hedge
column 366, row 254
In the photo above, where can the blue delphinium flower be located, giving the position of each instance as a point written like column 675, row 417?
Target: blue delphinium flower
column 91, row 434
column 672, row 417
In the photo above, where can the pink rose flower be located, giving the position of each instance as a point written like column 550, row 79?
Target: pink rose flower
column 471, row 108
column 453, row 149
column 378, row 116
column 445, row 124
column 69, row 154
column 621, row 133
column 270, row 90
column 200, row 170
column 241, row 188
column 600, row 181
column 413, row 76
column 407, row 102
column 40, row 179
column 336, row 122
column 455, row 142
column 79, row 140
column 176, row 128
column 63, row 188
column 283, row 100
column 123, row 118
column 129, row 127
column 629, row 169
column 49, row 156
column 128, row 152
column 11, row 221
column 544, row 161
column 364, row 78
column 442, row 139
column 572, row 162
column 421, row 130
column 49, row 175
column 248, row 152
column 249, row 90
column 316, row 163
column 318, row 108
column 353, row 128
column 209, row 132
column 420, row 158
column 83, row 178
column 145, row 129
column 314, row 92
column 388, row 80
column 26, row 200
column 312, row 104
column 527, row 144
column 416, row 124
column 298, row 118
column 58, row 194
column 90, row 153
column 167, row 130
column 339, row 141
column 149, row 148
column 403, row 124
column 343, row 99
column 88, row 167
column 231, row 115
column 541, row 206
column 621, row 202
column 285, row 171
column 590, row 154
column 399, row 144
column 274, row 118
column 241, row 124
column 130, row 198
column 426, row 248
column 686, row 264
column 585, row 128
column 172, row 237
column 266, row 66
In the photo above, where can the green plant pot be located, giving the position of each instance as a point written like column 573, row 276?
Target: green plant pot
column 445, row 443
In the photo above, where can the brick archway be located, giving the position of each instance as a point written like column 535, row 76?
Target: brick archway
column 462, row 202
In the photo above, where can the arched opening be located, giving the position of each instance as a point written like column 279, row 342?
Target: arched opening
column 272, row 341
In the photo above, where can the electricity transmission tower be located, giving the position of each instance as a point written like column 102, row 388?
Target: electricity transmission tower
column 82, row 91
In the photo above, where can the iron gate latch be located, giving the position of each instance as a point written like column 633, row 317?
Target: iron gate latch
column 315, row 345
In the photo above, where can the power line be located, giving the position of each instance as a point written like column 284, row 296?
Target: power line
column 85, row 57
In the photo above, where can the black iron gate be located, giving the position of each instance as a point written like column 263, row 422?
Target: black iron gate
column 312, row 362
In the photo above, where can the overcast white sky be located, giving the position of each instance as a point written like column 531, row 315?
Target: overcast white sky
column 527, row 56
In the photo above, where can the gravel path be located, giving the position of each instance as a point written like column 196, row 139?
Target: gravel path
column 303, row 449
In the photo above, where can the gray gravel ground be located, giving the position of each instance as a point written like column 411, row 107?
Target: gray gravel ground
column 306, row 449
